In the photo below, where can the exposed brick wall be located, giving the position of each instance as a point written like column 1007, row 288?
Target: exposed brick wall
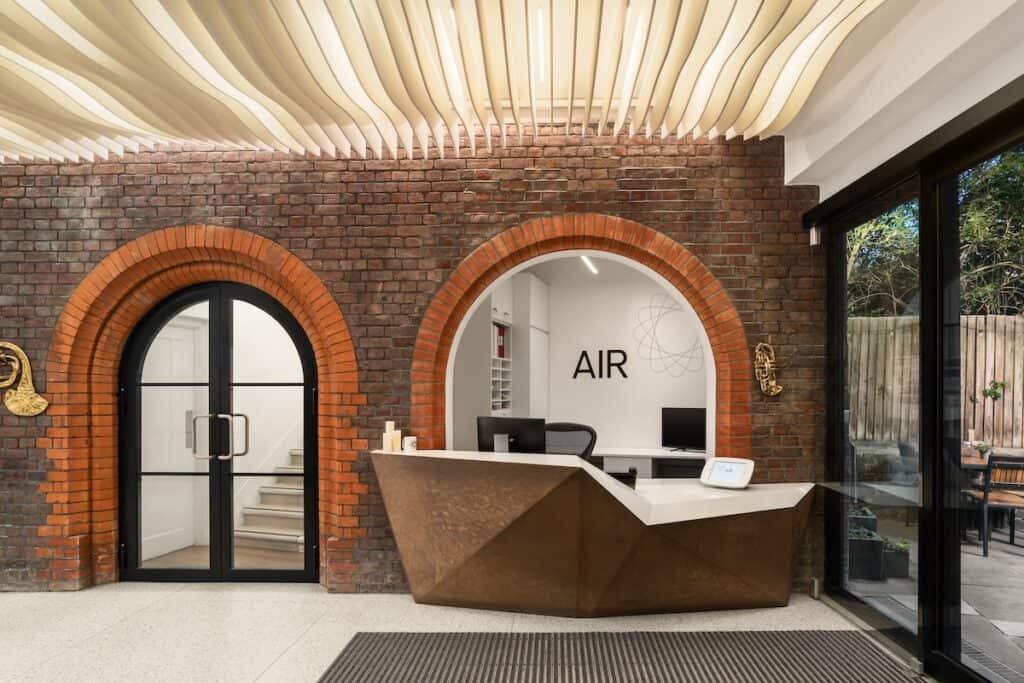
column 384, row 236
column 671, row 260
column 79, row 539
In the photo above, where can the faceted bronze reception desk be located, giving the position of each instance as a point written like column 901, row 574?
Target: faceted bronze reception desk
column 552, row 534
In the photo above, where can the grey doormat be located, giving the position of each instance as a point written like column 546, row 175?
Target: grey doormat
column 700, row 657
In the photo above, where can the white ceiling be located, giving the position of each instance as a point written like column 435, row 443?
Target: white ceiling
column 909, row 68
column 570, row 269
column 86, row 79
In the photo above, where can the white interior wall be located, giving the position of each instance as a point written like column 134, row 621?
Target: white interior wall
column 621, row 309
column 472, row 377
column 175, row 510
column 529, row 347
column 539, row 372
column 638, row 429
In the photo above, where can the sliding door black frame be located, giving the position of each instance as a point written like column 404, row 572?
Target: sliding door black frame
column 221, row 475
column 990, row 127
column 837, row 444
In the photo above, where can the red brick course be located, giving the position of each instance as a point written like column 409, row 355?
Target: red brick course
column 671, row 260
column 79, row 539
column 383, row 237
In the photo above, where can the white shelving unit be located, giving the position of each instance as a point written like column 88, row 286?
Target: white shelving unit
column 501, row 386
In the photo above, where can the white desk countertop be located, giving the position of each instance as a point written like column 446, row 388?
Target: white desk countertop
column 654, row 501
column 660, row 453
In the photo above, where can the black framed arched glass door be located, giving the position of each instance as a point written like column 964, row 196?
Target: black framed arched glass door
column 217, row 441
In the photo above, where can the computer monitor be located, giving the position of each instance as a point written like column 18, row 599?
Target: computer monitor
column 684, row 428
column 525, row 434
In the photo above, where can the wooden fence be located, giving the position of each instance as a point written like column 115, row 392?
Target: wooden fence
column 883, row 378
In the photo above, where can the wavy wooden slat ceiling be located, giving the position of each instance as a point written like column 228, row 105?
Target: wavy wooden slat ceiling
column 86, row 79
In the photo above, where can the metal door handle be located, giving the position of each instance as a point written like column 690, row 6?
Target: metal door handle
column 231, row 435
column 245, row 447
column 195, row 440
column 231, row 439
column 190, row 429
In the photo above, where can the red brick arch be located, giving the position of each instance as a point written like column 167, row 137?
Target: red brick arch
column 81, row 372
column 734, row 373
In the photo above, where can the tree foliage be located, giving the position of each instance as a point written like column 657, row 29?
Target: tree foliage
column 882, row 267
column 882, row 264
column 992, row 236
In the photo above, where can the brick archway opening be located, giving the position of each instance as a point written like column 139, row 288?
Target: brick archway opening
column 80, row 535
column 671, row 260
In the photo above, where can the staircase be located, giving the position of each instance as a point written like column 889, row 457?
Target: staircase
column 276, row 522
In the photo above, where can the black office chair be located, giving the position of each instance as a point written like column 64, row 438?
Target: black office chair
column 571, row 439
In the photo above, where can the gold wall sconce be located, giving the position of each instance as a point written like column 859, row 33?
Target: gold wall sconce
column 22, row 400
column 765, row 367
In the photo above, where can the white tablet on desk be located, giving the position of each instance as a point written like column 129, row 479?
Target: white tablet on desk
column 727, row 473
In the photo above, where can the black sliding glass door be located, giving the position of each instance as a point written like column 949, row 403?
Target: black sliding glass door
column 926, row 428
column 982, row 251
column 875, row 460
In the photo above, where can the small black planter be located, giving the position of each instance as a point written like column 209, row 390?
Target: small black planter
column 866, row 559
column 869, row 522
column 896, row 564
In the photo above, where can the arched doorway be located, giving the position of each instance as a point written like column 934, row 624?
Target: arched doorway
column 217, row 440
column 618, row 236
column 81, row 488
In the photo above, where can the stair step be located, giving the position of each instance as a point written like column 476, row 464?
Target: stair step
column 288, row 475
column 297, row 509
column 281, row 496
column 268, row 538
column 289, row 482
column 296, row 456
column 266, row 517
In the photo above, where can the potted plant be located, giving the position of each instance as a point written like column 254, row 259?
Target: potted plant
column 860, row 515
column 865, row 548
column 896, row 558
column 873, row 466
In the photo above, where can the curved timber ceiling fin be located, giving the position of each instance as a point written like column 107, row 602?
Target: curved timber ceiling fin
column 86, row 80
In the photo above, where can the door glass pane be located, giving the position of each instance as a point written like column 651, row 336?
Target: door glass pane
column 268, row 522
column 882, row 481
column 168, row 437
column 180, row 351
column 984, row 408
column 275, row 429
column 263, row 351
column 175, row 522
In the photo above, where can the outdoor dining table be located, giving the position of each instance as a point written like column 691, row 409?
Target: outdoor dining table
column 972, row 459
column 972, row 462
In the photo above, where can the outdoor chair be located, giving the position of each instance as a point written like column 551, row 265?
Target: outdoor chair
column 1002, row 489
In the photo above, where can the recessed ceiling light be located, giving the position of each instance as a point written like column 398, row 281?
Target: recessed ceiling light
column 590, row 264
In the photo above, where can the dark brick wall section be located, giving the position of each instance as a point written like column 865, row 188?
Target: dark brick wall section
column 384, row 235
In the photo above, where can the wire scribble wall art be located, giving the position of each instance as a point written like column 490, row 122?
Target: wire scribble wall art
column 677, row 357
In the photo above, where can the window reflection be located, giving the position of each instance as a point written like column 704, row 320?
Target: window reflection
column 984, row 407
column 882, row 479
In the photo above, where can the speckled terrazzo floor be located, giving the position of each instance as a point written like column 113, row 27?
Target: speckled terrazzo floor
column 274, row 632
